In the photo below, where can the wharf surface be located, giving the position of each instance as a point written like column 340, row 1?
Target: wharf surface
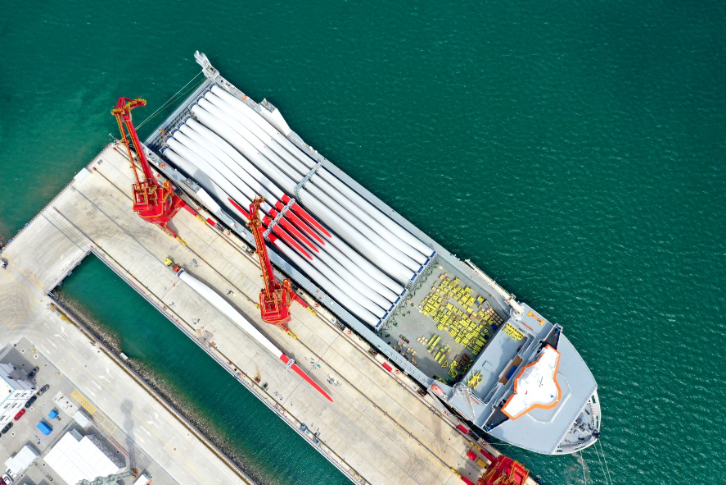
column 25, row 354
column 377, row 430
column 39, row 257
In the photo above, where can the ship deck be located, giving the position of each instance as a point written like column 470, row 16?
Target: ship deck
column 433, row 328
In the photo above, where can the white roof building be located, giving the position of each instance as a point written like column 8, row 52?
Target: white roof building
column 77, row 457
column 15, row 390
column 22, row 460
column 82, row 418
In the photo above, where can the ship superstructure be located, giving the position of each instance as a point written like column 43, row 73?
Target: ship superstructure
column 495, row 362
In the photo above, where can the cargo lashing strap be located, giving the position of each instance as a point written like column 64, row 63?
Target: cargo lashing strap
column 292, row 200
column 287, row 207
column 305, row 179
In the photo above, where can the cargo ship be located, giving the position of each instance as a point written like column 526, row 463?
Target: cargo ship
column 494, row 362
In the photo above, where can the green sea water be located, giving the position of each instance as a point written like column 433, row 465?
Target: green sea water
column 574, row 150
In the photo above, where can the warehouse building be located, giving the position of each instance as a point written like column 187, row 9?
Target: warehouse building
column 76, row 457
column 15, row 390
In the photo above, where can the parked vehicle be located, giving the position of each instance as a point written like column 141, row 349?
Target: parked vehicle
column 7, row 428
column 20, row 414
column 33, row 372
column 31, row 401
column 7, row 478
column 3, row 263
column 42, row 390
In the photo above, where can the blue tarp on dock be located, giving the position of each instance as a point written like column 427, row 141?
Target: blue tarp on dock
column 44, row 428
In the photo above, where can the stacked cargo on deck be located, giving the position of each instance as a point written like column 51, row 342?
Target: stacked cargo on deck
column 344, row 244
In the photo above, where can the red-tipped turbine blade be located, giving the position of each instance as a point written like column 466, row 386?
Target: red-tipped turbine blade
column 286, row 237
column 237, row 206
column 301, row 212
column 286, row 224
column 307, row 378
column 299, row 223
column 293, row 230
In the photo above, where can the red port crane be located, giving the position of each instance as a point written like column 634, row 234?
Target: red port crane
column 275, row 298
column 153, row 202
column 504, row 471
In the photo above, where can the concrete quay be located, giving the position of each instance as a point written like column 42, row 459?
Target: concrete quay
column 25, row 355
column 39, row 257
column 378, row 429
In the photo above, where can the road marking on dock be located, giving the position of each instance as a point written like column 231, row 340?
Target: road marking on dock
column 22, row 287
column 202, row 476
column 85, row 403
column 17, row 320
column 21, row 312
column 5, row 322
column 356, row 391
column 101, row 418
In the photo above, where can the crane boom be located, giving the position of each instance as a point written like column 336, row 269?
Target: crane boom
column 110, row 479
column 153, row 202
column 275, row 298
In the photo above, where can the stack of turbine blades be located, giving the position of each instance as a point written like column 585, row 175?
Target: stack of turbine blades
column 362, row 260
